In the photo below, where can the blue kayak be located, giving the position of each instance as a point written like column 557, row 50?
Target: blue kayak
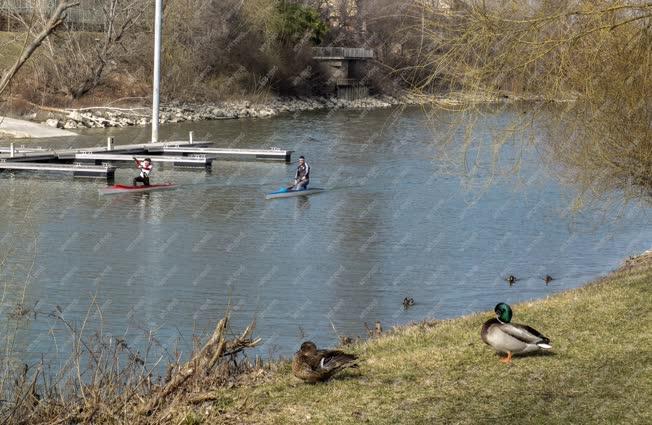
column 287, row 193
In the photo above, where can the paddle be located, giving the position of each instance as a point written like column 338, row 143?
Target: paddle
column 290, row 187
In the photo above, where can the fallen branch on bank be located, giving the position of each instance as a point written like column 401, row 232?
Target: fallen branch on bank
column 203, row 362
column 96, row 385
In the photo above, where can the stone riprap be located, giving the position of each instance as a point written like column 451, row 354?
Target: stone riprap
column 181, row 112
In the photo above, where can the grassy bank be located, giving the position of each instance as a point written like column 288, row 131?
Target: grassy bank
column 600, row 371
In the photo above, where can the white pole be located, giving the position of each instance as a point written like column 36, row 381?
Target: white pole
column 190, row 137
column 157, row 69
column 109, row 143
column 12, row 150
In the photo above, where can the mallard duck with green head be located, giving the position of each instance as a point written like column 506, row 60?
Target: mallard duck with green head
column 511, row 338
column 312, row 365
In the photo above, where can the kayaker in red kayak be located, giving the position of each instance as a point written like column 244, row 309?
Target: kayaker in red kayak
column 302, row 176
column 145, row 167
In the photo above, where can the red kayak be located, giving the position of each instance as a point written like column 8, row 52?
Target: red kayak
column 121, row 188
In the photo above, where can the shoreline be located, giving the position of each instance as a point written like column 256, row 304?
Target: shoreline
column 394, row 359
column 177, row 111
column 426, row 372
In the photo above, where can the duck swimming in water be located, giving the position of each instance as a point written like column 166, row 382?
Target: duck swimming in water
column 408, row 302
column 548, row 279
column 511, row 338
column 511, row 279
column 312, row 365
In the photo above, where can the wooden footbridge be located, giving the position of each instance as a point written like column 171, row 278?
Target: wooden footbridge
column 101, row 161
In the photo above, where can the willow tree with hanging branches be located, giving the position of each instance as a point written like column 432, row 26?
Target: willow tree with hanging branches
column 587, row 64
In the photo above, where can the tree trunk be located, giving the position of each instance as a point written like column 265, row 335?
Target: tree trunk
column 53, row 22
column 90, row 83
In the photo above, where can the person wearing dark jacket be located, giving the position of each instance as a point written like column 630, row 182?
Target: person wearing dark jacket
column 302, row 176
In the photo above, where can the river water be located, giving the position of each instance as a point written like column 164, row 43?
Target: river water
column 394, row 223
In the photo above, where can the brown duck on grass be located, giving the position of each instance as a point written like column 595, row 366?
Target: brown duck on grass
column 312, row 365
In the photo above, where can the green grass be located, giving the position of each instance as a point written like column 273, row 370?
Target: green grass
column 600, row 370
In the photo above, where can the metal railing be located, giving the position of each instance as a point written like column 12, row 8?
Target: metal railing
column 343, row 52
column 348, row 82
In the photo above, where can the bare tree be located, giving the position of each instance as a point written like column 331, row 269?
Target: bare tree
column 87, row 60
column 35, row 35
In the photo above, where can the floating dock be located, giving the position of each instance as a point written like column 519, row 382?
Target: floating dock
column 91, row 161
column 78, row 170
column 262, row 154
column 69, row 154
column 199, row 161
column 9, row 150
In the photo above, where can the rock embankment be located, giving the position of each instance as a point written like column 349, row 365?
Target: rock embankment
column 99, row 117
column 181, row 112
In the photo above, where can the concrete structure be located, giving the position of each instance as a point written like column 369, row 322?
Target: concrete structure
column 345, row 68
column 20, row 129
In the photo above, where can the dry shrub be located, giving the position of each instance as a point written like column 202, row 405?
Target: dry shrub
column 211, row 50
column 74, row 61
column 233, row 48
column 107, row 381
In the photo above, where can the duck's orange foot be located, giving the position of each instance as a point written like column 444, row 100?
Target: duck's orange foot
column 508, row 359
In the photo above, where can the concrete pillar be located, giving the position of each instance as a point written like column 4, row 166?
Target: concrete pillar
column 109, row 143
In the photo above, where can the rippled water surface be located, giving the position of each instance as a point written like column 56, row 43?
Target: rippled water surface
column 392, row 224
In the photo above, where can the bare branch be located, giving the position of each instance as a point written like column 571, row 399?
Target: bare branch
column 56, row 19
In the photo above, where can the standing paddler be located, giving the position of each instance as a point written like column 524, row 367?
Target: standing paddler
column 302, row 176
column 145, row 168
